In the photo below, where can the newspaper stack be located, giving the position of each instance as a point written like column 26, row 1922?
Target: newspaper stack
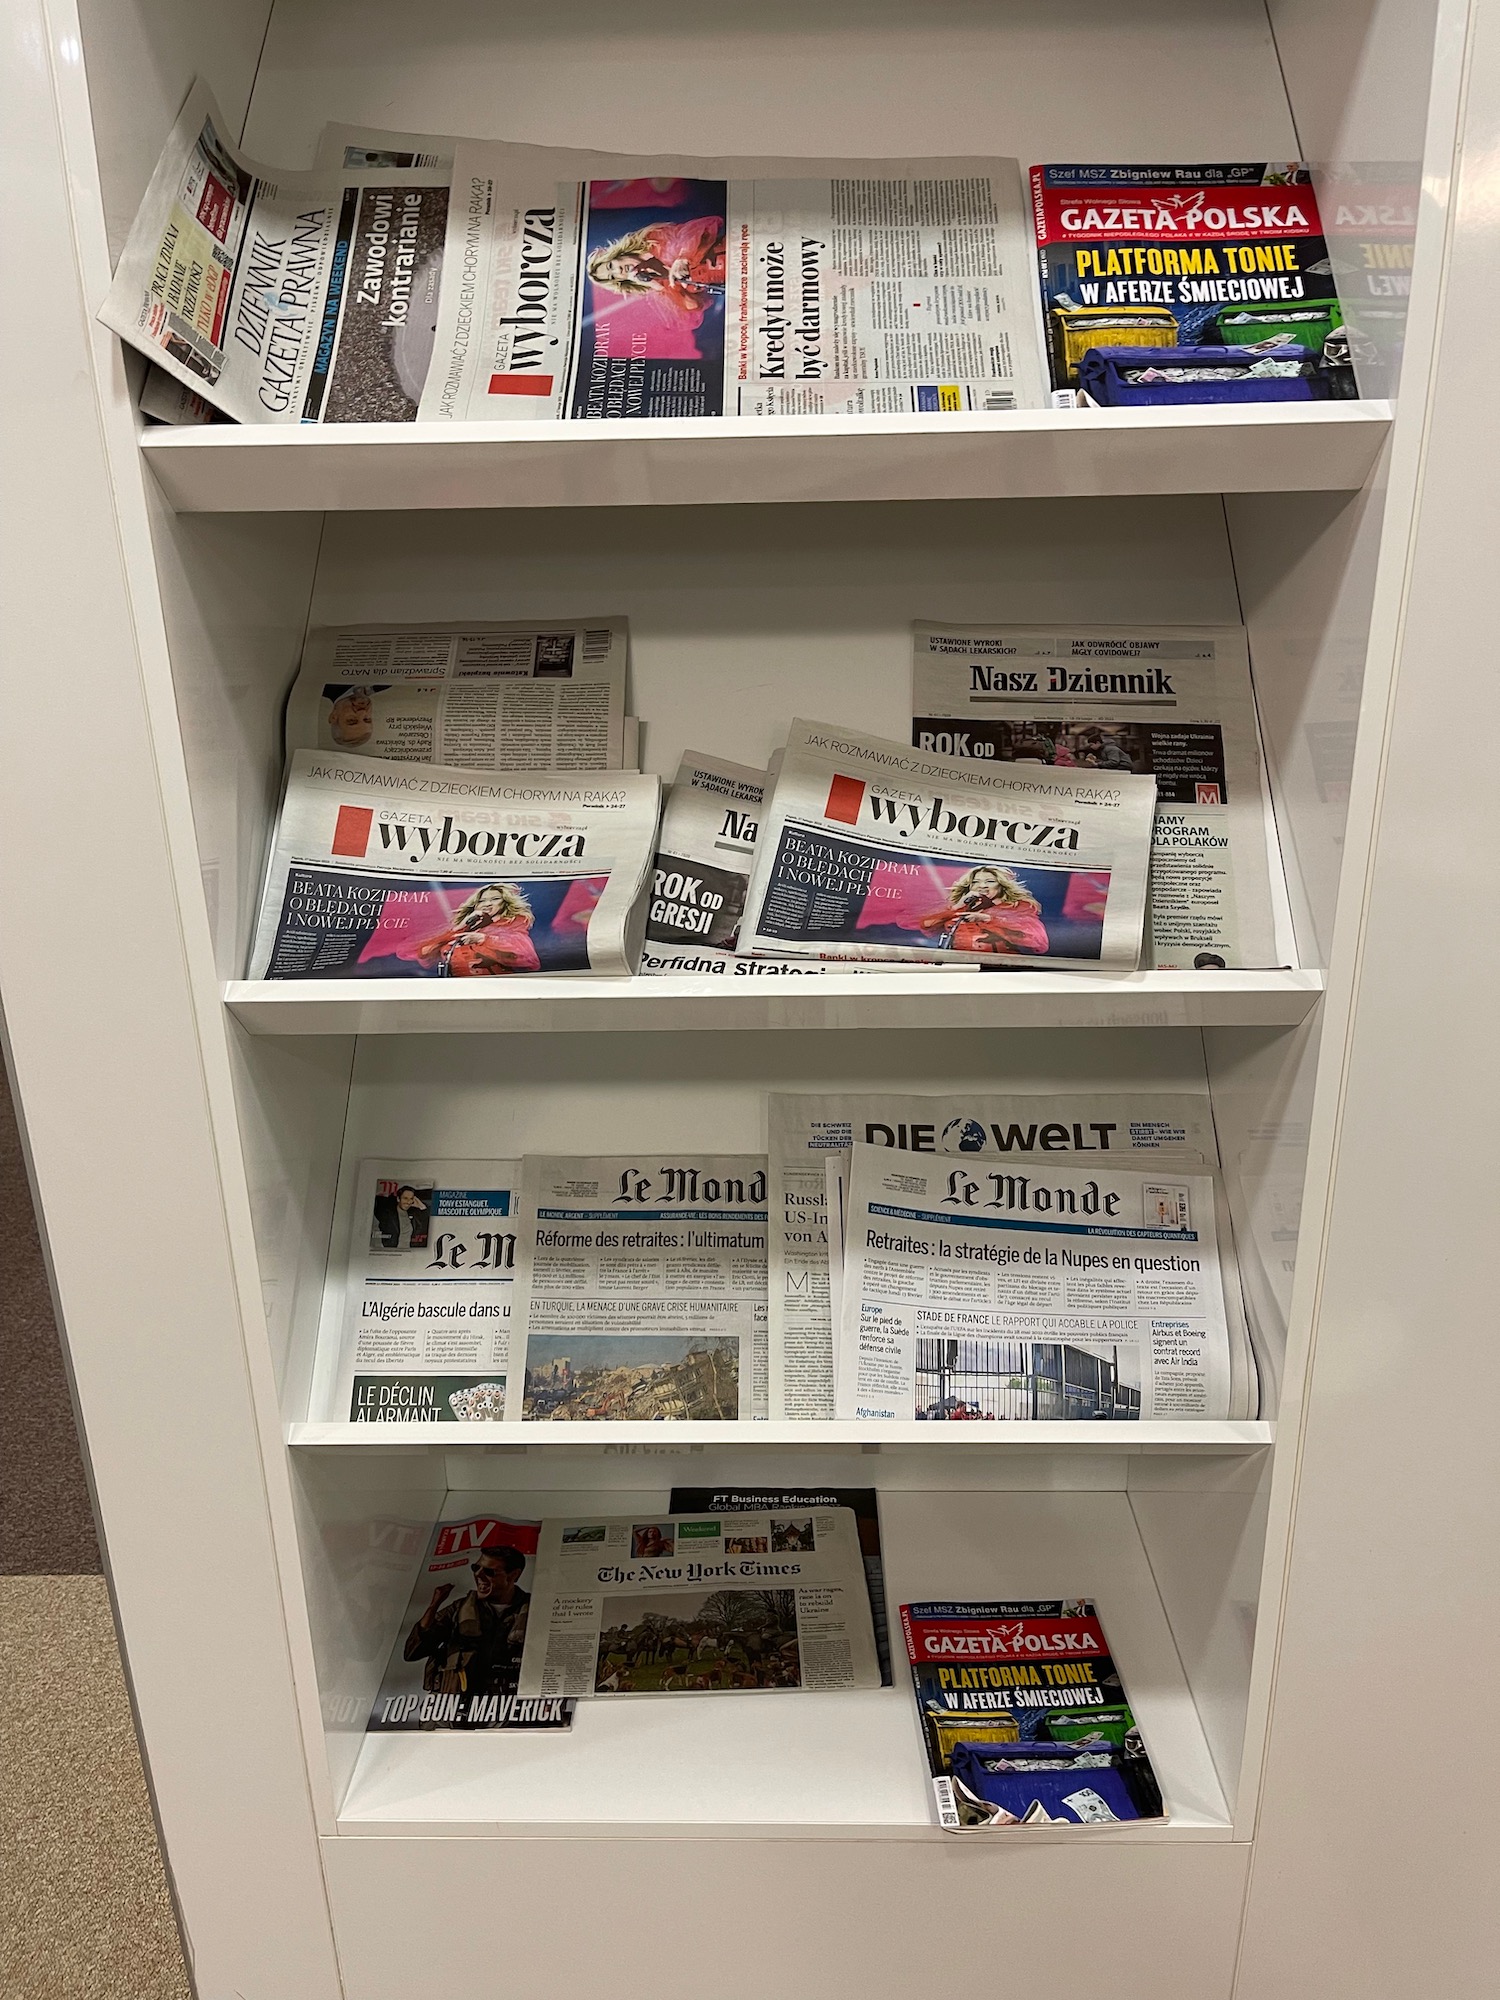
column 416, row 1321
column 412, row 871
column 481, row 696
column 462, row 281
column 731, row 1603
column 1167, row 1137
column 710, row 825
column 876, row 850
column 978, row 1292
column 1174, row 701
column 641, row 1289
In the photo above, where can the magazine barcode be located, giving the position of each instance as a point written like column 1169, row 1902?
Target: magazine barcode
column 1000, row 399
column 947, row 1810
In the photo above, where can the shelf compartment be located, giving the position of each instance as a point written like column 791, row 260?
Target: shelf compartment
column 1028, row 454
column 1159, row 1434
column 906, row 999
column 841, row 1766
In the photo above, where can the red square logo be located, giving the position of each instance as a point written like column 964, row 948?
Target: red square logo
column 845, row 796
column 1208, row 795
column 351, row 830
column 520, row 385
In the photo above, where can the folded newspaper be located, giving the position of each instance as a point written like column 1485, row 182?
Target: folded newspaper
column 416, row 1312
column 1143, row 1129
column 575, row 284
column 1173, row 701
column 641, row 1289
column 730, row 1603
column 698, row 288
column 481, row 696
column 283, row 298
column 709, row 827
column 457, row 1658
column 877, row 850
column 1020, row 1294
column 412, row 871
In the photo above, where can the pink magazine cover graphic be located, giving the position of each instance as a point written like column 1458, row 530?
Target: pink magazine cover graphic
column 973, row 907
column 651, row 326
column 467, row 930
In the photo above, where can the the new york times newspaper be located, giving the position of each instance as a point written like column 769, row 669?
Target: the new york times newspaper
column 1174, row 701
column 415, row 1324
column 514, row 696
column 457, row 1656
column 876, row 850
column 1145, row 1130
column 990, row 1291
column 583, row 286
column 283, row 298
column 420, row 871
column 641, row 1289
column 725, row 1603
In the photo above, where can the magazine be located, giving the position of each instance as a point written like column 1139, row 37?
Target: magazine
column 641, row 1289
column 877, row 850
column 479, row 696
column 417, row 871
column 1133, row 1128
column 1174, row 701
column 282, row 298
column 1025, row 1719
column 1030, row 1292
column 585, row 287
column 416, row 1314
column 862, row 1504
column 457, row 1657
column 1187, row 284
column 704, row 1603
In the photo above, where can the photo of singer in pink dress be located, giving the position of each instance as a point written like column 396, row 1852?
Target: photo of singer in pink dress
column 651, row 326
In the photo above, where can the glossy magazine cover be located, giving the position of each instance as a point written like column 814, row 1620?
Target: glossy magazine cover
column 1024, row 1716
column 1166, row 284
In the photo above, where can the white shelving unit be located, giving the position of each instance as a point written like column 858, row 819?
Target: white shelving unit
column 186, row 1126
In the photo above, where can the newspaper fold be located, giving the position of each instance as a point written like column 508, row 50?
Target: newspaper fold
column 282, row 298
column 1174, row 701
column 641, row 1288
column 700, row 1604
column 1015, row 1293
column 412, row 871
column 876, row 850
column 482, row 696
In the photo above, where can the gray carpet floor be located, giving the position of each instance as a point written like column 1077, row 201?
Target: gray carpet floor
column 85, row 1912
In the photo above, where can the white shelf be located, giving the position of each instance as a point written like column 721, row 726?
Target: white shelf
column 696, row 461
column 907, row 999
column 810, row 1765
column 1158, row 1434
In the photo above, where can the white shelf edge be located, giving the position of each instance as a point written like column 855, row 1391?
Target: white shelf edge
column 1157, row 1434
column 906, row 999
column 354, row 1827
column 708, row 460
